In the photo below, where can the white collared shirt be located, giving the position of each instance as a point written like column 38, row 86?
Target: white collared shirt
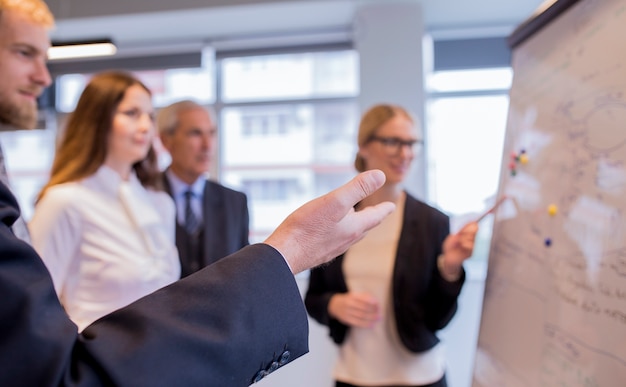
column 106, row 242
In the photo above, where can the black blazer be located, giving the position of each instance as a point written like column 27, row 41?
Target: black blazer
column 423, row 302
column 226, row 325
column 226, row 224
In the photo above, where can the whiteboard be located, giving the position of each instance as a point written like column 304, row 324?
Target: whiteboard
column 554, row 310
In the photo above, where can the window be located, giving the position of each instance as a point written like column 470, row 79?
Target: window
column 287, row 129
column 167, row 86
column 466, row 122
column 275, row 190
column 28, row 156
column 290, row 76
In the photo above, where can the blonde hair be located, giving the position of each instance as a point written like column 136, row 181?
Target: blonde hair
column 371, row 121
column 36, row 10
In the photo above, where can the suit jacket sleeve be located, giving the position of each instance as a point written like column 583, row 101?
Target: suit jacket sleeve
column 226, row 325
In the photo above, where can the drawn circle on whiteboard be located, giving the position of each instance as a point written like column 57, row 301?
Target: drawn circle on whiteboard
column 606, row 128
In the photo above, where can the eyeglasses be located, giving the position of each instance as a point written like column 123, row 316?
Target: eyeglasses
column 394, row 145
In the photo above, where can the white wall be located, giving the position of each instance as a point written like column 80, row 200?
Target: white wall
column 388, row 38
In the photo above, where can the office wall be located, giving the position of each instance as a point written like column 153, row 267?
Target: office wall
column 388, row 38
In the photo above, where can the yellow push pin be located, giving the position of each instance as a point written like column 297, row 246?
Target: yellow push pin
column 552, row 209
column 523, row 158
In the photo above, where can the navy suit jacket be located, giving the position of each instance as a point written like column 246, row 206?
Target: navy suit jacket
column 423, row 302
column 226, row 226
column 227, row 325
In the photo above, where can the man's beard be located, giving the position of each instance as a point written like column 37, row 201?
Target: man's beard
column 18, row 116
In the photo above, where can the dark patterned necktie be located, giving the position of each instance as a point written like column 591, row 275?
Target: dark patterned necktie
column 192, row 223
column 19, row 227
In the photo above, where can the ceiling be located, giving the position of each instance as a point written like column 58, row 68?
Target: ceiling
column 141, row 23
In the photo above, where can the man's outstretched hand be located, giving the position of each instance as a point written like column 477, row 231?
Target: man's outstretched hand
column 325, row 227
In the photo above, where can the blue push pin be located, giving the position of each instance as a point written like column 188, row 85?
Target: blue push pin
column 548, row 242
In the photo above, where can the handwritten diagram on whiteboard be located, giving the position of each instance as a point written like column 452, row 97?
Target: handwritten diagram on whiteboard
column 554, row 312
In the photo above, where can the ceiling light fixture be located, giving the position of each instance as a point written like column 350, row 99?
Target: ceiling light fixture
column 82, row 49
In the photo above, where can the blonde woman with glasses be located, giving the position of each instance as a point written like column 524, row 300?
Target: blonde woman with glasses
column 385, row 299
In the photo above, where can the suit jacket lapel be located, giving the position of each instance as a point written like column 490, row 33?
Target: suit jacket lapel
column 166, row 185
column 212, row 213
column 181, row 234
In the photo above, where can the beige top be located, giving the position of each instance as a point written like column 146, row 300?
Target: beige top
column 374, row 356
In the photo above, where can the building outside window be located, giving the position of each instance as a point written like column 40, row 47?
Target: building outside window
column 28, row 156
column 287, row 126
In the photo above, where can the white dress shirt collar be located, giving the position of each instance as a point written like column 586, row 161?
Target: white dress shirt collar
column 108, row 180
column 179, row 187
column 134, row 199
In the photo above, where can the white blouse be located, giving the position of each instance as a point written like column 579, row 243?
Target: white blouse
column 106, row 242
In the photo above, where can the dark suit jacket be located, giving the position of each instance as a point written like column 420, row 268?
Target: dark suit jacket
column 226, row 226
column 423, row 302
column 225, row 325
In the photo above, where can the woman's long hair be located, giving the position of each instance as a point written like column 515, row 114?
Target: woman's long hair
column 84, row 145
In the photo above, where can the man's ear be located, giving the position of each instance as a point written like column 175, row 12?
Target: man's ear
column 166, row 140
